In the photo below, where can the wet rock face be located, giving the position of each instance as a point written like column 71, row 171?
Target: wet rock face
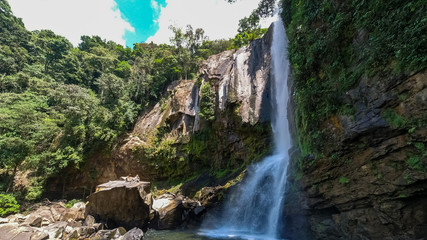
column 121, row 203
column 243, row 77
column 372, row 184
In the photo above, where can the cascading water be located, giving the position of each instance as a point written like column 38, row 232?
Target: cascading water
column 197, row 109
column 254, row 211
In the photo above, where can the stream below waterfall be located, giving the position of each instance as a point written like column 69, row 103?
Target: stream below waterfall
column 175, row 235
column 192, row 235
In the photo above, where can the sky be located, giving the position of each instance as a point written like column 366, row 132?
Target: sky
column 132, row 21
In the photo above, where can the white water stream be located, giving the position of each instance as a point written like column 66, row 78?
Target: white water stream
column 253, row 212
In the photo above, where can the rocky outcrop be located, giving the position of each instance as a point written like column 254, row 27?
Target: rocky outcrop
column 167, row 139
column 127, row 204
column 121, row 203
column 243, row 77
column 55, row 221
column 372, row 184
column 173, row 211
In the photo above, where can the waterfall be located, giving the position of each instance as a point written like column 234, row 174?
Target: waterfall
column 197, row 108
column 253, row 211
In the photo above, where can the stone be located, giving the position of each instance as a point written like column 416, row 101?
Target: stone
column 45, row 222
column 59, row 233
column 98, row 226
column 89, row 220
column 69, row 229
column 85, row 231
column 210, row 196
column 40, row 236
column 109, row 234
column 133, row 234
column 33, row 220
column 198, row 210
column 121, row 203
column 75, row 213
column 73, row 235
column 170, row 212
column 4, row 220
column 17, row 218
column 15, row 231
column 55, row 230
column 9, row 230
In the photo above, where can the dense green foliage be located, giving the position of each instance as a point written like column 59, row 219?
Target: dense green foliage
column 8, row 205
column 249, row 27
column 333, row 44
column 245, row 37
column 207, row 102
column 59, row 103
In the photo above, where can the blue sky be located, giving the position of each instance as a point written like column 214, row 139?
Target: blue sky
column 143, row 16
column 132, row 21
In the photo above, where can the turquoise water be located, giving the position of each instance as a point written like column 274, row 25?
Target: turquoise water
column 180, row 235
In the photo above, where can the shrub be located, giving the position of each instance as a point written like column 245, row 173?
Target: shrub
column 344, row 180
column 8, row 205
column 207, row 102
column 71, row 203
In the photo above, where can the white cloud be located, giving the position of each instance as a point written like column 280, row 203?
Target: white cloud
column 155, row 5
column 73, row 19
column 218, row 18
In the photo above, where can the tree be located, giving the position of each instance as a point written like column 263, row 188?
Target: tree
column 87, row 43
column 140, row 81
column 123, row 69
column 111, row 88
column 187, row 44
column 52, row 46
column 13, row 151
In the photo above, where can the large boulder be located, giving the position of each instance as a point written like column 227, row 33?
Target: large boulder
column 173, row 211
column 121, row 203
column 170, row 211
column 133, row 234
column 14, row 231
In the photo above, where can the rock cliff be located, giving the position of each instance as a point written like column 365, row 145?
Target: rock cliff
column 172, row 140
column 372, row 181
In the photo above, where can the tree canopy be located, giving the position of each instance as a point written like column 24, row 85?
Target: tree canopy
column 59, row 103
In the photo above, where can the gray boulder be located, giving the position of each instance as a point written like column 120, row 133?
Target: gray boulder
column 121, row 203
column 133, row 234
